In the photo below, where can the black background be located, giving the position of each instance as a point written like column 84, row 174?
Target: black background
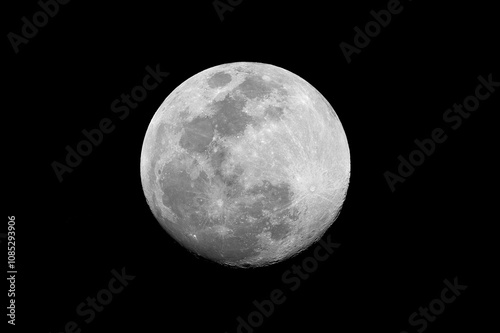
column 396, row 248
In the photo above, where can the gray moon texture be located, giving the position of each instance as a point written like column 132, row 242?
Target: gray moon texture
column 245, row 164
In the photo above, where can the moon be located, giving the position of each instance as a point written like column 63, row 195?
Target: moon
column 245, row 164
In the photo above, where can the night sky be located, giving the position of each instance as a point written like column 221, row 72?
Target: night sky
column 414, row 84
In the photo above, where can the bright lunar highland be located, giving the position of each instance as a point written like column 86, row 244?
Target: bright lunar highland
column 245, row 164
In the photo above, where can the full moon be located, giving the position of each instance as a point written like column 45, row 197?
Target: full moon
column 245, row 164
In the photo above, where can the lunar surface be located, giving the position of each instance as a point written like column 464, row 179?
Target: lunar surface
column 245, row 164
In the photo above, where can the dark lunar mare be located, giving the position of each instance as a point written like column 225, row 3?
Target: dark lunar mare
column 183, row 195
column 263, row 208
column 219, row 79
column 228, row 118
column 198, row 134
